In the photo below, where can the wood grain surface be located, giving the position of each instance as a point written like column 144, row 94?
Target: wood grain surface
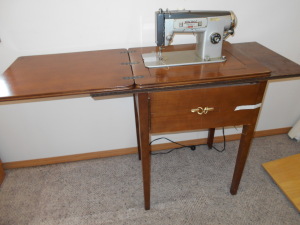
column 280, row 66
column 102, row 72
column 66, row 74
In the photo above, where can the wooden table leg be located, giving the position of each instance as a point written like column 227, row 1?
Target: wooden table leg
column 245, row 142
column 137, row 125
column 210, row 139
column 2, row 173
column 144, row 126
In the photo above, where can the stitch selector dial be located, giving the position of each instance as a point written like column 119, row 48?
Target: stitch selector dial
column 215, row 38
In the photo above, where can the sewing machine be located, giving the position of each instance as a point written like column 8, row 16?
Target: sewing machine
column 210, row 27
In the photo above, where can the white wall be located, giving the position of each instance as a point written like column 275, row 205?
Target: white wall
column 55, row 127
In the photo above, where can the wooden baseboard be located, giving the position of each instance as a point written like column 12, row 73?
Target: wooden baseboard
column 69, row 158
column 263, row 133
column 133, row 150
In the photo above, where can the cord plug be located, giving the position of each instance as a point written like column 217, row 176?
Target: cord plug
column 192, row 147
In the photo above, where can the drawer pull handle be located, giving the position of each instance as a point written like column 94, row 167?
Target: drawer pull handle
column 201, row 111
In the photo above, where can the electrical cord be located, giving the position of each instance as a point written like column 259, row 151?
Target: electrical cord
column 192, row 147
column 224, row 143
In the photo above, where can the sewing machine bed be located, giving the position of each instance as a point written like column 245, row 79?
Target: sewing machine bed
column 238, row 66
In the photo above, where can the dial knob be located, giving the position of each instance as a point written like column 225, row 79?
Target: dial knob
column 215, row 38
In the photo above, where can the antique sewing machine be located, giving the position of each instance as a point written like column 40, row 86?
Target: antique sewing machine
column 210, row 27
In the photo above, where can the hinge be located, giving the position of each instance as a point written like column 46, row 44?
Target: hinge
column 130, row 63
column 133, row 77
column 133, row 51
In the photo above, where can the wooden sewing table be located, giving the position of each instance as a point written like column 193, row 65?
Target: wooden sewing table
column 170, row 99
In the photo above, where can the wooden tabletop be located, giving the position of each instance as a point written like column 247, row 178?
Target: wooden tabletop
column 107, row 72
column 245, row 62
column 279, row 66
column 66, row 74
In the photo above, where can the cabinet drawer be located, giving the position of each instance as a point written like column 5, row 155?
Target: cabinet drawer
column 171, row 110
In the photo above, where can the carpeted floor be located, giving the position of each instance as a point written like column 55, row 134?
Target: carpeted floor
column 188, row 187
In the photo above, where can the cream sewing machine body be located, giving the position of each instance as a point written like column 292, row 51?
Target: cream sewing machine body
column 210, row 27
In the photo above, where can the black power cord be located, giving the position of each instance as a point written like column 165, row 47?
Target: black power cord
column 192, row 147
column 224, row 143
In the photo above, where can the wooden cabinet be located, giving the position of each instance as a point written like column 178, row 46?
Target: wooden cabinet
column 194, row 109
column 197, row 97
column 164, row 97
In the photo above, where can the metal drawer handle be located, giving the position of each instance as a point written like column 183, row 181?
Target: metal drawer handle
column 201, row 111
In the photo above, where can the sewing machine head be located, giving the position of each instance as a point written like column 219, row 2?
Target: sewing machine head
column 210, row 27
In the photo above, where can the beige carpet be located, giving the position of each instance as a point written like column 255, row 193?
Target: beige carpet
column 187, row 188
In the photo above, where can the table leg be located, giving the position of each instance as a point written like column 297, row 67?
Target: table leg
column 2, row 173
column 245, row 142
column 144, row 114
column 137, row 124
column 210, row 139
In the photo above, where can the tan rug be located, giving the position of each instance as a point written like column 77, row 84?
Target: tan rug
column 286, row 173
